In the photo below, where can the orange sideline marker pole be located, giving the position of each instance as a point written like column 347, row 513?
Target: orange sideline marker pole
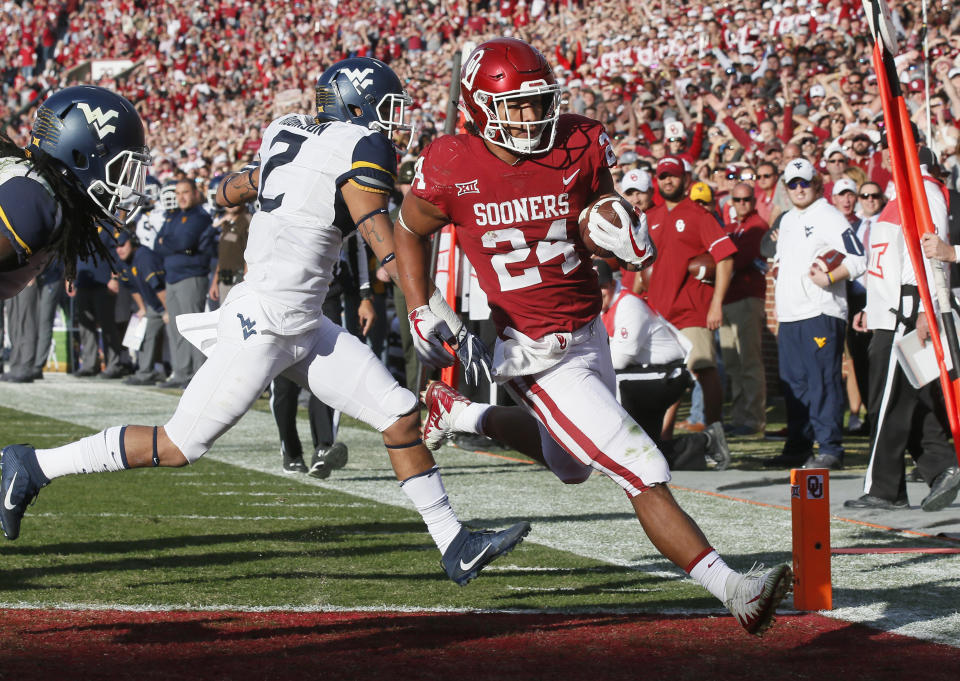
column 810, row 503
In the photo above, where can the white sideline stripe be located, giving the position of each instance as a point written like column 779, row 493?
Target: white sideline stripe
column 285, row 494
column 500, row 567
column 173, row 517
column 281, row 504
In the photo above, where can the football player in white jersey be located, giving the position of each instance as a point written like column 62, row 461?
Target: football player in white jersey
column 320, row 177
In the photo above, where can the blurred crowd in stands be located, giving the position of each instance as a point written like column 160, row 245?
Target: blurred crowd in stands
column 758, row 75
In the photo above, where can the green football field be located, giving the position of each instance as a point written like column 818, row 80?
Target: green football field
column 232, row 532
column 220, row 535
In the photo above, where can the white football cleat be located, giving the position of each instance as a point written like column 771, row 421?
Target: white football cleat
column 444, row 405
column 753, row 597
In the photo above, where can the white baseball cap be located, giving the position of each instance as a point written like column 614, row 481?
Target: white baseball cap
column 835, row 148
column 798, row 168
column 844, row 184
column 636, row 179
column 818, row 91
column 673, row 129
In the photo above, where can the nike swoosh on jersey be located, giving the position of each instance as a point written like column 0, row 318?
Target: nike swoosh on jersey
column 6, row 499
column 568, row 180
column 653, row 227
column 467, row 566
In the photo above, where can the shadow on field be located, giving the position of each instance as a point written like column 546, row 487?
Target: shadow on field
column 439, row 646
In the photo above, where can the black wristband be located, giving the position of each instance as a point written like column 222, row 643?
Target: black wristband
column 370, row 215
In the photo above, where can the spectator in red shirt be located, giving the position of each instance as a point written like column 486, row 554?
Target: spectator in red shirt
column 860, row 147
column 682, row 230
column 743, row 317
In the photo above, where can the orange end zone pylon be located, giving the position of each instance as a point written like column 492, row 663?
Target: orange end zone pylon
column 810, row 503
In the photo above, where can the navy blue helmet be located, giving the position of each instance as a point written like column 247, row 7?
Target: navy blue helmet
column 97, row 137
column 364, row 91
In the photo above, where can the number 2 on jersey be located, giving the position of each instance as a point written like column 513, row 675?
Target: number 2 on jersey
column 556, row 243
column 293, row 142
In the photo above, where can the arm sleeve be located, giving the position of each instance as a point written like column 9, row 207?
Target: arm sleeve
column 787, row 133
column 208, row 243
column 738, row 133
column 647, row 133
column 363, row 265
column 374, row 165
column 152, row 270
column 28, row 215
column 715, row 239
column 844, row 239
column 160, row 247
column 431, row 174
column 696, row 145
column 939, row 214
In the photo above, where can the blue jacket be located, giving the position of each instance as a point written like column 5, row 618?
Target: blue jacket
column 94, row 275
column 187, row 244
column 144, row 275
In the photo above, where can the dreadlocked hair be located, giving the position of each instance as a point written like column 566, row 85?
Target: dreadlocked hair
column 78, row 237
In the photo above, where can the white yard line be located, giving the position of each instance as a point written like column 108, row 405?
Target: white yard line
column 902, row 593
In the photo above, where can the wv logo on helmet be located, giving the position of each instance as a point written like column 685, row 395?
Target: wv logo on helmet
column 98, row 119
column 359, row 78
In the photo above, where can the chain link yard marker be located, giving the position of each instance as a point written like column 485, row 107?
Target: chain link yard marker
column 810, row 503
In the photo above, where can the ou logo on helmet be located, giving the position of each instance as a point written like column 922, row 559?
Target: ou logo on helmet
column 471, row 68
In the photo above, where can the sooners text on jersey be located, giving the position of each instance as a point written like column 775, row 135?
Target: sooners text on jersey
column 518, row 224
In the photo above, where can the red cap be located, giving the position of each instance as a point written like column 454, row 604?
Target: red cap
column 671, row 165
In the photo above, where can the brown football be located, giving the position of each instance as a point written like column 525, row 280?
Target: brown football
column 703, row 268
column 604, row 207
column 829, row 260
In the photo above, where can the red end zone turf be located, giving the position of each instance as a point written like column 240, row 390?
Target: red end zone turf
column 43, row 644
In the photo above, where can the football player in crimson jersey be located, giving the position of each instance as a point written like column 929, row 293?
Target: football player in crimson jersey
column 321, row 177
column 514, row 187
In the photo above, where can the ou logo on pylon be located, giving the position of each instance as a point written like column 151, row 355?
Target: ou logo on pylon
column 815, row 487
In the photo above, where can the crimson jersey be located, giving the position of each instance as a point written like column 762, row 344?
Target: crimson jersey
column 518, row 224
column 679, row 235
